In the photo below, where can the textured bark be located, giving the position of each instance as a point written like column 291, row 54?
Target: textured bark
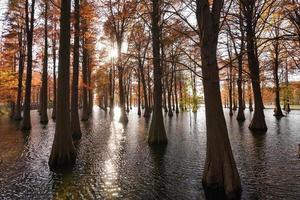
column 26, row 123
column 75, row 123
column 258, row 120
column 220, row 178
column 44, row 89
column 157, row 133
column 17, row 114
column 63, row 153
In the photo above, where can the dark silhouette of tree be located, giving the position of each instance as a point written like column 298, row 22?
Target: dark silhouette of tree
column 63, row 153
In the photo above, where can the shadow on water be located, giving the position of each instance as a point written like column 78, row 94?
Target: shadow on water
column 115, row 162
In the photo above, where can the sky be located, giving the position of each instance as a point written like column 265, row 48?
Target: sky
column 3, row 4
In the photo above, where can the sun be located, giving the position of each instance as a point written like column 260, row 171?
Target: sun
column 113, row 53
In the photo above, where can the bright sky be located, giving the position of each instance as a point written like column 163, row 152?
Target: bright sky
column 3, row 5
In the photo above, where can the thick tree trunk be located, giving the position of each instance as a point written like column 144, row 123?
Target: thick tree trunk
column 26, row 123
column 220, row 170
column 157, row 133
column 63, row 153
column 220, row 178
column 75, row 123
column 17, row 114
column 258, row 121
column 44, row 89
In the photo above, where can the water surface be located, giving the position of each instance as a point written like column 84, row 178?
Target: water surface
column 115, row 162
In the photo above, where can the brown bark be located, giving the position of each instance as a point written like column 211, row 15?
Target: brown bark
column 157, row 134
column 17, row 114
column 258, row 120
column 26, row 123
column 44, row 89
column 75, row 123
column 220, row 176
column 63, row 153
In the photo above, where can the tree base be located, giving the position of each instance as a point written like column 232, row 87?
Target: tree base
column 62, row 162
column 213, row 192
column 44, row 122
column 76, row 136
column 240, row 116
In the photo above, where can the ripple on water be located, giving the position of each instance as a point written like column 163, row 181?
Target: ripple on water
column 115, row 162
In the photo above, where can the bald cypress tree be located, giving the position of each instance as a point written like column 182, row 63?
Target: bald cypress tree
column 63, row 153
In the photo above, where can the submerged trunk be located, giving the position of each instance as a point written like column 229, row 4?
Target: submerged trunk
column 17, row 114
column 63, row 153
column 123, row 116
column 157, row 132
column 75, row 123
column 277, row 111
column 147, row 103
column 258, row 121
column 220, row 177
column 139, row 92
column 44, row 89
column 26, row 124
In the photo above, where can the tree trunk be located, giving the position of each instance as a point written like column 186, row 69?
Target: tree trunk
column 220, row 176
column 17, row 114
column 63, row 153
column 75, row 123
column 147, row 103
column 175, row 90
column 139, row 92
column 44, row 90
column 157, row 133
column 54, row 72
column 258, row 121
column 26, row 124
column 85, row 115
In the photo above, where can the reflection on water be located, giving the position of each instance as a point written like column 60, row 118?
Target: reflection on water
column 115, row 162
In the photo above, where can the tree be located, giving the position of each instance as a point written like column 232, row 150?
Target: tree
column 63, row 153
column 220, row 170
column 157, row 132
column 252, row 10
column 44, row 89
column 26, row 123
column 75, row 124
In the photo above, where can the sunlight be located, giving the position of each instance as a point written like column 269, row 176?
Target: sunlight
column 113, row 53
column 117, row 112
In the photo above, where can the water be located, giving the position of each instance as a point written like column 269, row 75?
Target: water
column 115, row 161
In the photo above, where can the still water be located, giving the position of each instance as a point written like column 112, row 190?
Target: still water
column 115, row 161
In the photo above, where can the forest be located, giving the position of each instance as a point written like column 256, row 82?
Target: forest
column 149, row 99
